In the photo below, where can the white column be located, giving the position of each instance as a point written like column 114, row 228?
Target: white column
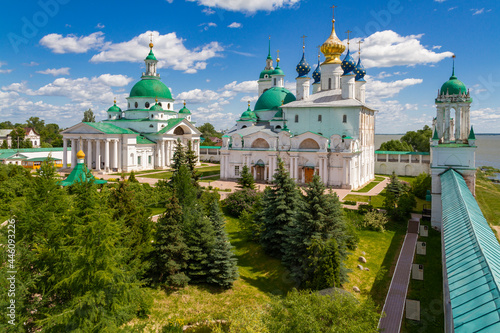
column 74, row 150
column 89, row 154
column 98, row 155
column 162, row 158
column 106, row 155
column 458, row 123
column 447, row 124
column 158, row 150
column 115, row 154
column 165, row 153
column 65, row 153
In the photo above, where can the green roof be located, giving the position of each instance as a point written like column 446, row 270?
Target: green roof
column 210, row 147
column 248, row 115
column 171, row 123
column 264, row 72
column 156, row 107
column 471, row 257
column 10, row 155
column 110, row 128
column 453, row 86
column 79, row 174
column 42, row 159
column 278, row 71
column 142, row 140
column 114, row 108
column 402, row 152
column 472, row 136
column 151, row 55
column 150, row 88
column 33, row 150
column 273, row 98
column 435, row 136
column 185, row 110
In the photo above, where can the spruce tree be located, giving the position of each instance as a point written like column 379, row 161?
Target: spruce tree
column 223, row 270
column 185, row 188
column 169, row 259
column 280, row 204
column 191, row 161
column 320, row 218
column 179, row 156
column 324, row 264
column 102, row 291
column 246, row 179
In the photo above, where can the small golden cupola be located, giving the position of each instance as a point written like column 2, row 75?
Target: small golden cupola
column 333, row 47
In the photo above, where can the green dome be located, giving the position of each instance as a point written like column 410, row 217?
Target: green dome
column 279, row 114
column 156, row 107
column 114, row 108
column 185, row 110
column 273, row 98
column 278, row 71
column 264, row 72
column 453, row 87
column 248, row 115
column 151, row 56
column 150, row 88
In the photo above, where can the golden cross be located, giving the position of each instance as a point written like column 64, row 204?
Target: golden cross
column 360, row 41
column 348, row 32
column 278, row 54
column 333, row 8
column 151, row 37
column 303, row 41
column 319, row 50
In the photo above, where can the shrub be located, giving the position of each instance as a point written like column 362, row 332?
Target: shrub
column 375, row 221
column 365, row 208
column 241, row 200
column 421, row 184
column 349, row 202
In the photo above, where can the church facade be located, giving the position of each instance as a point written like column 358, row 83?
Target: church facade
column 329, row 132
column 139, row 138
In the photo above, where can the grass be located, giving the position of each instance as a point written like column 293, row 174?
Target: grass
column 371, row 185
column 210, row 178
column 488, row 196
column 377, row 201
column 207, row 171
column 429, row 291
column 381, row 252
column 260, row 277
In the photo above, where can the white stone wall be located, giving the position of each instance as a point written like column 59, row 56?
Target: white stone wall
column 402, row 165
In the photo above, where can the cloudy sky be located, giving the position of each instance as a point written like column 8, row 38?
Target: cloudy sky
column 60, row 57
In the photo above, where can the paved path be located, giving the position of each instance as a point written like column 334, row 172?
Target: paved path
column 396, row 296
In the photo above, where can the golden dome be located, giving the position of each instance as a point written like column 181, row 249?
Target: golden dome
column 80, row 155
column 332, row 48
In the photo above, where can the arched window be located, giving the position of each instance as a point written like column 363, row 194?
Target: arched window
column 152, row 116
column 168, row 106
column 159, row 103
column 151, row 125
column 278, row 127
column 296, row 118
column 129, row 105
column 320, row 118
column 329, row 83
column 136, row 105
column 109, row 116
column 309, row 144
column 274, row 81
column 244, row 126
column 179, row 131
column 344, row 119
column 260, row 143
column 147, row 105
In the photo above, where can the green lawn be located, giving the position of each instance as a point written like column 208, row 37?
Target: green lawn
column 377, row 201
column 488, row 197
column 260, row 277
column 429, row 291
column 135, row 172
column 204, row 171
column 210, row 178
column 371, row 185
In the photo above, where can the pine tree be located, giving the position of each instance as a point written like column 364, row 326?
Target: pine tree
column 191, row 161
column 179, row 156
column 324, row 264
column 280, row 204
column 101, row 290
column 132, row 178
column 246, row 180
column 169, row 259
column 223, row 270
column 185, row 188
column 138, row 227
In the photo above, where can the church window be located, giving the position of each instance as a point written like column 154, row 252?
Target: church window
column 329, row 83
column 136, row 105
column 109, row 116
column 320, row 118
column 147, row 105
column 278, row 127
column 151, row 125
column 168, row 106
column 237, row 170
column 138, row 160
column 265, row 76
column 274, row 81
column 344, row 119
column 296, row 118
column 129, row 105
column 161, row 115
column 159, row 103
column 152, row 116
column 179, row 131
column 244, row 126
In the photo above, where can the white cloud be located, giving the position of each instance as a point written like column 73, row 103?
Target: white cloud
column 253, row 98
column 73, row 44
column 235, row 25
column 198, row 96
column 169, row 49
column 55, row 71
column 388, row 49
column 485, row 120
column 247, row 6
column 452, row 8
column 378, row 89
column 208, row 11
column 213, row 114
column 4, row 71
column 16, row 87
column 245, row 86
column 394, row 117
column 31, row 64
column 477, row 11
column 440, row 1
column 100, row 26
column 170, row 1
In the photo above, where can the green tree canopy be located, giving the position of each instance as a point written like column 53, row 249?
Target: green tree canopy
column 395, row 145
column 88, row 116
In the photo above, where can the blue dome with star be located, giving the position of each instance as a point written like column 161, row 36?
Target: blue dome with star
column 317, row 73
column 303, row 67
column 360, row 71
column 348, row 64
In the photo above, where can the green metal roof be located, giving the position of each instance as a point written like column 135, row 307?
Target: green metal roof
column 32, row 150
column 42, row 159
column 151, row 55
column 171, row 123
column 110, row 128
column 401, row 152
column 11, row 155
column 472, row 136
column 472, row 257
column 273, row 98
column 210, row 147
column 141, row 140
column 150, row 88
column 79, row 174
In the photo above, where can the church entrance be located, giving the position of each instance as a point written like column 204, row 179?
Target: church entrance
column 309, row 173
column 259, row 172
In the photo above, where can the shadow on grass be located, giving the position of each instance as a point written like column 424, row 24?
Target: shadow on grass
column 384, row 276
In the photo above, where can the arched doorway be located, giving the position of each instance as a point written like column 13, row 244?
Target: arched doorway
column 260, row 169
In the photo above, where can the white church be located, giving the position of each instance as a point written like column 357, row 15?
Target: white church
column 139, row 138
column 330, row 132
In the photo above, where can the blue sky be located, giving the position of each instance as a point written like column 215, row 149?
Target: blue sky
column 61, row 57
